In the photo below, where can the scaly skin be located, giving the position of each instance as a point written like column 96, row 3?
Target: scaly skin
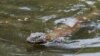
column 65, row 30
column 62, row 31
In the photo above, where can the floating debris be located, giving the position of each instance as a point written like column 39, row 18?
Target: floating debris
column 4, row 22
column 19, row 20
column 66, row 10
column 89, row 31
column 25, row 19
column 25, row 8
column 59, row 11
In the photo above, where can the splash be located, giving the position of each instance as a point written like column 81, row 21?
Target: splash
column 70, row 21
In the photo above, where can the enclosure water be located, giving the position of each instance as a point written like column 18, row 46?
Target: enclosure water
column 19, row 18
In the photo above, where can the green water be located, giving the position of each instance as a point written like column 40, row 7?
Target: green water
column 19, row 18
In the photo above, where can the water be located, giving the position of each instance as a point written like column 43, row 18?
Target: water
column 19, row 18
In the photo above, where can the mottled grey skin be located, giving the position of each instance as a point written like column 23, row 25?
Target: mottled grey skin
column 37, row 37
column 57, row 33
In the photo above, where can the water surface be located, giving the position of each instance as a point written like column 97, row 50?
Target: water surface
column 19, row 18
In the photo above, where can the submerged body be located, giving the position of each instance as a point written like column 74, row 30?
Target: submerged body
column 68, row 26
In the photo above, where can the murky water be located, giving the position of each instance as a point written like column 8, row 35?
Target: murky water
column 19, row 18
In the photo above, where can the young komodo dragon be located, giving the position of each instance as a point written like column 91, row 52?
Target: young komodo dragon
column 69, row 25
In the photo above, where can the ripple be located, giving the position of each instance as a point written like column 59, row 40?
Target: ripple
column 74, row 44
